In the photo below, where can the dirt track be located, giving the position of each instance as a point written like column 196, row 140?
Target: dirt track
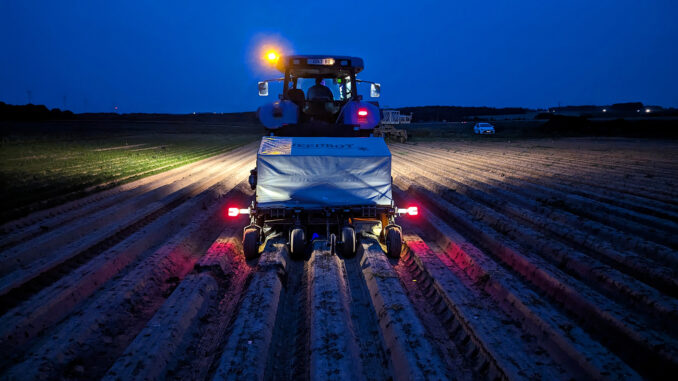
column 531, row 259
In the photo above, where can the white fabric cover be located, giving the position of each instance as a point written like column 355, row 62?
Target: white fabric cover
column 311, row 172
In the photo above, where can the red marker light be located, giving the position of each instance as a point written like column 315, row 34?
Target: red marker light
column 233, row 212
column 413, row 211
column 362, row 112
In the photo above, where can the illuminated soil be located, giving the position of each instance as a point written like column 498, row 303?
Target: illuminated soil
column 533, row 259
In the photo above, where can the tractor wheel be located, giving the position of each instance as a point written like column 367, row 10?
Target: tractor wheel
column 297, row 242
column 348, row 243
column 333, row 243
column 394, row 242
column 250, row 243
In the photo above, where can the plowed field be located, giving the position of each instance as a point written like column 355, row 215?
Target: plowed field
column 529, row 260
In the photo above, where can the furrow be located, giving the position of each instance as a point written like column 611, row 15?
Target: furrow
column 19, row 281
column 103, row 223
column 245, row 354
column 619, row 286
column 466, row 183
column 51, row 304
column 46, row 221
column 412, row 355
column 598, row 318
column 159, row 349
column 333, row 346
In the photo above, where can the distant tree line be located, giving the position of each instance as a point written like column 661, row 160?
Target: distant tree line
column 455, row 113
column 616, row 110
column 563, row 125
column 31, row 112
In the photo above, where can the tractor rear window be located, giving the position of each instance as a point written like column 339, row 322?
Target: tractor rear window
column 333, row 84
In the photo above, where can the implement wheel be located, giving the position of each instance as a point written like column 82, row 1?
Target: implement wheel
column 297, row 242
column 394, row 242
column 347, row 241
column 250, row 243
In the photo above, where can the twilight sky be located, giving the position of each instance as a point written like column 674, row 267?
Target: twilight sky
column 185, row 56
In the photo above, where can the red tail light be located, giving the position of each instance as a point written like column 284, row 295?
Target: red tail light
column 413, row 211
column 233, row 212
column 362, row 112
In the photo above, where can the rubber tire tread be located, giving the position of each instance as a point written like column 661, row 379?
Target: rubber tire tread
column 348, row 245
column 297, row 242
column 394, row 242
column 250, row 243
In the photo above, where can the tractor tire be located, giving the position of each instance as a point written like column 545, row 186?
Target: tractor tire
column 333, row 243
column 348, row 242
column 297, row 242
column 394, row 242
column 250, row 243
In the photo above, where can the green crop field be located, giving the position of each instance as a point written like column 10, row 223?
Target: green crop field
column 43, row 168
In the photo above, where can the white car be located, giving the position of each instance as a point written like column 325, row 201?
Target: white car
column 483, row 129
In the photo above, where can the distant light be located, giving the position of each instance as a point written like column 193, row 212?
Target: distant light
column 638, row 110
column 647, row 110
column 116, row 107
column 604, row 110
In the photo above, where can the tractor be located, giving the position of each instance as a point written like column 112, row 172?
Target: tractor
column 319, row 173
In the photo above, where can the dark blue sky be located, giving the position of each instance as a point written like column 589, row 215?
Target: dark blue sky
column 168, row 56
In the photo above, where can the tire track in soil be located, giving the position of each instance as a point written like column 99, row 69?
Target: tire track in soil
column 288, row 356
column 365, row 324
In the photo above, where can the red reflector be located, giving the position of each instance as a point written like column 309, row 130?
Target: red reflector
column 362, row 112
column 413, row 211
column 233, row 212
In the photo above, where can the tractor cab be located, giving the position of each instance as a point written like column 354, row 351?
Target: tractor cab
column 319, row 98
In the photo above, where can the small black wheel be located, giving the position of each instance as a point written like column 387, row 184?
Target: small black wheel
column 348, row 244
column 250, row 243
column 297, row 242
column 394, row 242
column 332, row 241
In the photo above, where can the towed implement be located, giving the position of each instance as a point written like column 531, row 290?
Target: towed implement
column 320, row 174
